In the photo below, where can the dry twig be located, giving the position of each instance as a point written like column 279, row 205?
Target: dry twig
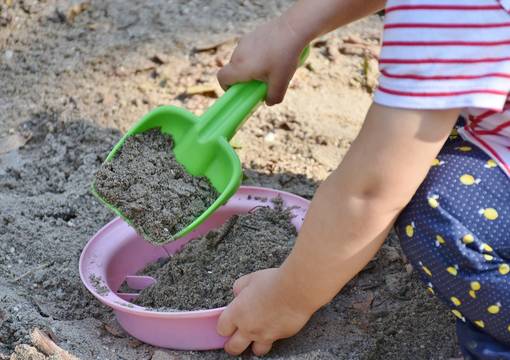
column 47, row 346
column 32, row 271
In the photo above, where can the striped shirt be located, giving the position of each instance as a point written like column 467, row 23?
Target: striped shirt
column 440, row 54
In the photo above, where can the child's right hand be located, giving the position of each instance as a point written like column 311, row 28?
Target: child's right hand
column 270, row 53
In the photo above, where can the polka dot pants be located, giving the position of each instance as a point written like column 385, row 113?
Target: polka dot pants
column 456, row 233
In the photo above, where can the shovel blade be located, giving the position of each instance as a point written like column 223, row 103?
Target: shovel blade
column 216, row 160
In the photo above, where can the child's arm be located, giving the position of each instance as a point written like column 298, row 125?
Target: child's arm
column 271, row 52
column 347, row 222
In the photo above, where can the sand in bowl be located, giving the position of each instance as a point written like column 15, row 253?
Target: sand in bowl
column 152, row 189
column 201, row 276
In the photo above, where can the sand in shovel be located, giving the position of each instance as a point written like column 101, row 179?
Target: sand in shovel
column 152, row 189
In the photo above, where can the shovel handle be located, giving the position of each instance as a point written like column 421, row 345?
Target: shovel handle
column 230, row 111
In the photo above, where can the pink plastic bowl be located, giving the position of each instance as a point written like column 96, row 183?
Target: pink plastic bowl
column 116, row 253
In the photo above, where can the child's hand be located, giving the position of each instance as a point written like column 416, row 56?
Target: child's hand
column 263, row 311
column 269, row 54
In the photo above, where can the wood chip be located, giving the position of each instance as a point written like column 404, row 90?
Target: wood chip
column 159, row 59
column 33, row 270
column 134, row 343
column 76, row 10
column 214, row 46
column 24, row 351
column 93, row 26
column 115, row 330
column 319, row 43
column 210, row 90
column 352, row 39
column 45, row 345
column 360, row 50
column 371, row 73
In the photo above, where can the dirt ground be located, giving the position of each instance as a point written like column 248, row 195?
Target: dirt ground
column 74, row 75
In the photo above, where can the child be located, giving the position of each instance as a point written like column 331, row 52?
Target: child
column 440, row 59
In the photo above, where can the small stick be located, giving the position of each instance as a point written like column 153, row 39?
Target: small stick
column 250, row 227
column 256, row 207
column 225, row 230
column 44, row 344
column 32, row 271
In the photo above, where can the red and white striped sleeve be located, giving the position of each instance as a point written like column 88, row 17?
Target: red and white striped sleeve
column 440, row 54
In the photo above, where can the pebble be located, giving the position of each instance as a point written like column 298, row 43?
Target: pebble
column 270, row 137
column 8, row 55
column 409, row 268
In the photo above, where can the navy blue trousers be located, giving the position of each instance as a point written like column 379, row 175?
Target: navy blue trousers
column 456, row 233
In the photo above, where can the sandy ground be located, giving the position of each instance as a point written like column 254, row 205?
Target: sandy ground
column 74, row 75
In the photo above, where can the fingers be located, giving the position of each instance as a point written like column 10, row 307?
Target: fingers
column 278, row 81
column 237, row 344
column 226, row 326
column 278, row 84
column 241, row 283
column 261, row 348
column 231, row 74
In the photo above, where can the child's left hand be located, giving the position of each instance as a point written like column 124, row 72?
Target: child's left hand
column 263, row 311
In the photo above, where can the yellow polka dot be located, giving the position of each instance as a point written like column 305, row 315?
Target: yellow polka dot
column 437, row 162
column 504, row 269
column 475, row 285
column 458, row 314
column 410, row 231
column 454, row 132
column 455, row 301
column 440, row 239
column 430, row 290
column 491, row 164
column 433, row 202
column 488, row 257
column 480, row 323
column 494, row 309
column 468, row 239
column 489, row 213
column 487, row 247
column 464, row 148
column 452, row 270
column 508, row 328
column 472, row 293
column 467, row 179
column 426, row 270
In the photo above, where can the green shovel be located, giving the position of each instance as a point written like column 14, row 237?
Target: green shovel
column 202, row 142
